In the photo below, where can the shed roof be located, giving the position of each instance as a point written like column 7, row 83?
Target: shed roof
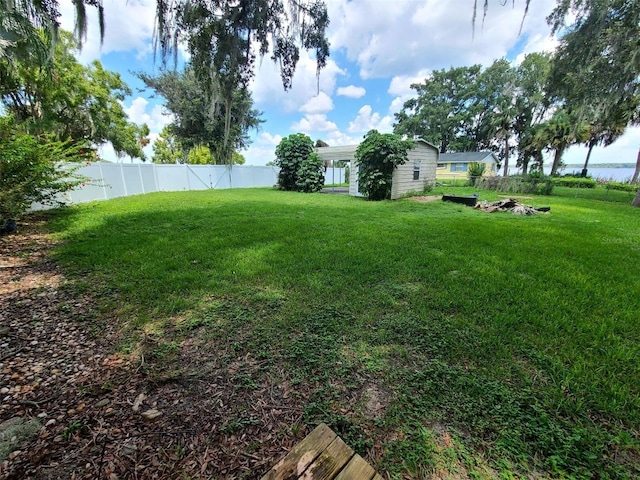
column 465, row 157
column 342, row 151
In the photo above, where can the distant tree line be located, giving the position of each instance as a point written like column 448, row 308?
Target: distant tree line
column 587, row 92
column 516, row 111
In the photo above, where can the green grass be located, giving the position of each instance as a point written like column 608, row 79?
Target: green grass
column 501, row 345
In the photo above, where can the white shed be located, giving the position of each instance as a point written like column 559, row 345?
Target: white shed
column 413, row 176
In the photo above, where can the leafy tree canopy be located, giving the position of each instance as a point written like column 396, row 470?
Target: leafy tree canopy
column 377, row 157
column 562, row 130
column 597, row 66
column 224, row 37
column 300, row 167
column 197, row 122
column 167, row 149
column 441, row 113
column 470, row 109
column 200, row 155
column 72, row 101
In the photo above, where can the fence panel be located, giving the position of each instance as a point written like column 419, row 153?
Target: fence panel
column 132, row 179
column 199, row 178
column 92, row 189
column 112, row 180
column 148, row 176
column 172, row 178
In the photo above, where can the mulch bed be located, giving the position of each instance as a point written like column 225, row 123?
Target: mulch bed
column 60, row 364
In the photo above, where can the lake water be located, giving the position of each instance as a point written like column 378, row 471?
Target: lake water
column 617, row 174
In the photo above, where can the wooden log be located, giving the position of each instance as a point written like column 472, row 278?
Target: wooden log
column 302, row 455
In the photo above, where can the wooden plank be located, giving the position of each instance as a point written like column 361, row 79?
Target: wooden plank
column 330, row 462
column 378, row 477
column 356, row 469
column 302, row 455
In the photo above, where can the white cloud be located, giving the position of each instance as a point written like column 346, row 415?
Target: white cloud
column 396, row 105
column 267, row 89
column 321, row 103
column 537, row 43
column 155, row 119
column 265, row 138
column 417, row 34
column 128, row 27
column 315, row 122
column 366, row 120
column 262, row 150
column 337, row 138
column 351, row 91
column 401, row 84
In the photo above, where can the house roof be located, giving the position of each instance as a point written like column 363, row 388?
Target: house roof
column 466, row 157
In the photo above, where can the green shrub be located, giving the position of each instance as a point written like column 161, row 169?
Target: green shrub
column 574, row 182
column 377, row 157
column 624, row 187
column 310, row 176
column 291, row 152
column 34, row 169
column 475, row 171
column 539, row 185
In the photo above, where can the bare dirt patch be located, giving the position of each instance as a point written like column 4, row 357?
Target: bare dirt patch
column 376, row 401
column 60, row 364
column 425, row 199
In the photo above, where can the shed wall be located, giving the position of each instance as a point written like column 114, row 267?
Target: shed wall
column 403, row 181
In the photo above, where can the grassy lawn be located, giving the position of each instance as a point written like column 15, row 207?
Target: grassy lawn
column 431, row 336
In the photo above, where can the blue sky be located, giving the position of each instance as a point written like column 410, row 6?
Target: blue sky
column 378, row 48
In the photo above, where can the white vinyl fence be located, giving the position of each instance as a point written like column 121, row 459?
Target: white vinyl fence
column 112, row 180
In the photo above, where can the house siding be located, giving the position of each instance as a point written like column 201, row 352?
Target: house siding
column 446, row 173
column 445, row 159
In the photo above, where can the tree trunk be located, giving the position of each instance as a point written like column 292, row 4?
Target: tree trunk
column 636, row 201
column 586, row 160
column 506, row 156
column 525, row 164
column 634, row 179
column 556, row 160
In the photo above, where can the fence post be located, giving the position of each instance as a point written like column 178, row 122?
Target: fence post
column 124, row 180
column 141, row 179
column 155, row 176
column 104, row 185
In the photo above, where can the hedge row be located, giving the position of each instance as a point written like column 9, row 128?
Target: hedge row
column 574, row 182
column 624, row 187
column 517, row 184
